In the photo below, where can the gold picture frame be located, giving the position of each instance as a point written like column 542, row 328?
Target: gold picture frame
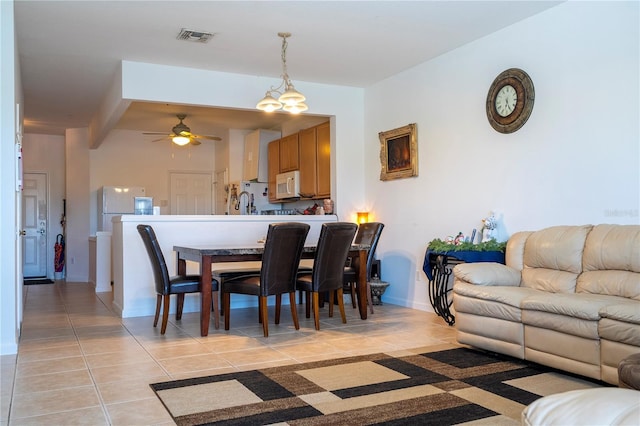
column 399, row 153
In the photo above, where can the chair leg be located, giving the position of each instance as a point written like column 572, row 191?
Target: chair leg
column 369, row 298
column 226, row 303
column 353, row 294
column 158, row 305
column 294, row 309
column 215, row 308
column 179, row 306
column 340, row 295
column 165, row 313
column 316, row 309
column 264, row 315
column 278, row 307
column 307, row 307
column 331, row 299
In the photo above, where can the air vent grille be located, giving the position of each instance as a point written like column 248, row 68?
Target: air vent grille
column 191, row 35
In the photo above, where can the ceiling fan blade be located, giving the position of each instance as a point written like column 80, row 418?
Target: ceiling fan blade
column 154, row 133
column 195, row 142
column 212, row 138
column 161, row 139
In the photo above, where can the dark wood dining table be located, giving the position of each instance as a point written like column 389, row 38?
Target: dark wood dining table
column 208, row 254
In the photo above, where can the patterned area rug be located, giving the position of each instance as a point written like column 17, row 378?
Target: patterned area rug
column 444, row 388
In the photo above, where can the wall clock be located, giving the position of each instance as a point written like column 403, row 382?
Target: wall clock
column 510, row 100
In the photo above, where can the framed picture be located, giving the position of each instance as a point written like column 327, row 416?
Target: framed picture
column 399, row 153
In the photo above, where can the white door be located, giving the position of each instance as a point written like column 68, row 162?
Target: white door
column 190, row 193
column 34, row 222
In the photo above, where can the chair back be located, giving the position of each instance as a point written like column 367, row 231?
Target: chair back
column 158, row 264
column 369, row 233
column 281, row 257
column 331, row 254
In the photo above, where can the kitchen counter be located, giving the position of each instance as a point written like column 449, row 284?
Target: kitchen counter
column 133, row 285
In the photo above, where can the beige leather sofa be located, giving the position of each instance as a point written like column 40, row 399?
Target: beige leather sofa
column 568, row 297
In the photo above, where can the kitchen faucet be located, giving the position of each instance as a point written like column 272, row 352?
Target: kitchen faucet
column 248, row 210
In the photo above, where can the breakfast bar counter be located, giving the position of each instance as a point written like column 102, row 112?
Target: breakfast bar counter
column 133, row 285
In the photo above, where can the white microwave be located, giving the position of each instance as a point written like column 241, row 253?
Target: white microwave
column 288, row 185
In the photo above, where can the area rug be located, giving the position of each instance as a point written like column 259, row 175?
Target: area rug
column 444, row 388
column 34, row 281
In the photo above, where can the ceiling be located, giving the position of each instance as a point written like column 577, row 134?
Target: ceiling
column 69, row 50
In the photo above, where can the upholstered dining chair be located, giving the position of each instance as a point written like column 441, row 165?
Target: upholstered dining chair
column 368, row 233
column 166, row 285
column 280, row 260
column 328, row 268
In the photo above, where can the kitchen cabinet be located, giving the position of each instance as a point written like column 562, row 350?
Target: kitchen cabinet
column 289, row 153
column 255, row 155
column 315, row 161
column 273, row 156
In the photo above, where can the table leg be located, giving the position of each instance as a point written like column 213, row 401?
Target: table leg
column 205, row 295
column 362, row 284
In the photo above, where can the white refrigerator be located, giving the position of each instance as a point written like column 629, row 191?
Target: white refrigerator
column 116, row 201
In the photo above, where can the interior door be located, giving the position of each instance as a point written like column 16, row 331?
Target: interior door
column 190, row 193
column 221, row 186
column 34, row 222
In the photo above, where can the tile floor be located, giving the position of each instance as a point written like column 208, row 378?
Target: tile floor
column 78, row 363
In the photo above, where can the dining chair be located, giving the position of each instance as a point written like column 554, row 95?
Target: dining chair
column 368, row 233
column 166, row 285
column 280, row 260
column 328, row 268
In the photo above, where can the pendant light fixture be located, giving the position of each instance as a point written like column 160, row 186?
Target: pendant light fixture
column 289, row 99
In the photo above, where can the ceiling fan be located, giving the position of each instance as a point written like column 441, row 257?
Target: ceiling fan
column 181, row 134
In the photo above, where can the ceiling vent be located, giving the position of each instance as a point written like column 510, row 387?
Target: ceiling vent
column 191, row 35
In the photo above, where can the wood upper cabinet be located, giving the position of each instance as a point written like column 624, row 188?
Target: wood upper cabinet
column 273, row 155
column 323, row 141
column 315, row 157
column 289, row 153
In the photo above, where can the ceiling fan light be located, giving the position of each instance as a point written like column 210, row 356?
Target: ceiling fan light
column 181, row 140
column 291, row 96
column 268, row 103
column 296, row 109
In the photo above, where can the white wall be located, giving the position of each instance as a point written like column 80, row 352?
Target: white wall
column 129, row 158
column 11, row 271
column 46, row 154
column 77, row 191
column 575, row 161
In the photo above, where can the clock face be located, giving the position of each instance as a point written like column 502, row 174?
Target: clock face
column 506, row 100
column 510, row 100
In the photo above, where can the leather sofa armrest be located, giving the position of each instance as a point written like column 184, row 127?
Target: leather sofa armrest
column 487, row 273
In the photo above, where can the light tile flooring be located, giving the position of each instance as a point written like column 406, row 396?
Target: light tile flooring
column 78, row 363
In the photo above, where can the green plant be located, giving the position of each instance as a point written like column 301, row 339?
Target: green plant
column 491, row 245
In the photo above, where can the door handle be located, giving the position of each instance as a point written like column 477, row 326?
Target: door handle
column 22, row 233
column 42, row 231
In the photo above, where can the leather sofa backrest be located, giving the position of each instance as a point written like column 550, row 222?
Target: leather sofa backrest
column 553, row 258
column 611, row 261
column 514, row 254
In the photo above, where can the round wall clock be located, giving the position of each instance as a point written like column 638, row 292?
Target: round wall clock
column 510, row 100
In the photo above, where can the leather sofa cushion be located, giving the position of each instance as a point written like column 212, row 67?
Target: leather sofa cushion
column 514, row 254
column 612, row 247
column 495, row 302
column 487, row 274
column 549, row 280
column 601, row 406
column 620, row 323
column 583, row 306
column 557, row 247
column 613, row 283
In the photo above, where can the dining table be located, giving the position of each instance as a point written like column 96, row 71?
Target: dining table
column 206, row 255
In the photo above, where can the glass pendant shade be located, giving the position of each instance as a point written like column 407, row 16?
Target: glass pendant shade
column 269, row 103
column 181, row 140
column 296, row 108
column 291, row 96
